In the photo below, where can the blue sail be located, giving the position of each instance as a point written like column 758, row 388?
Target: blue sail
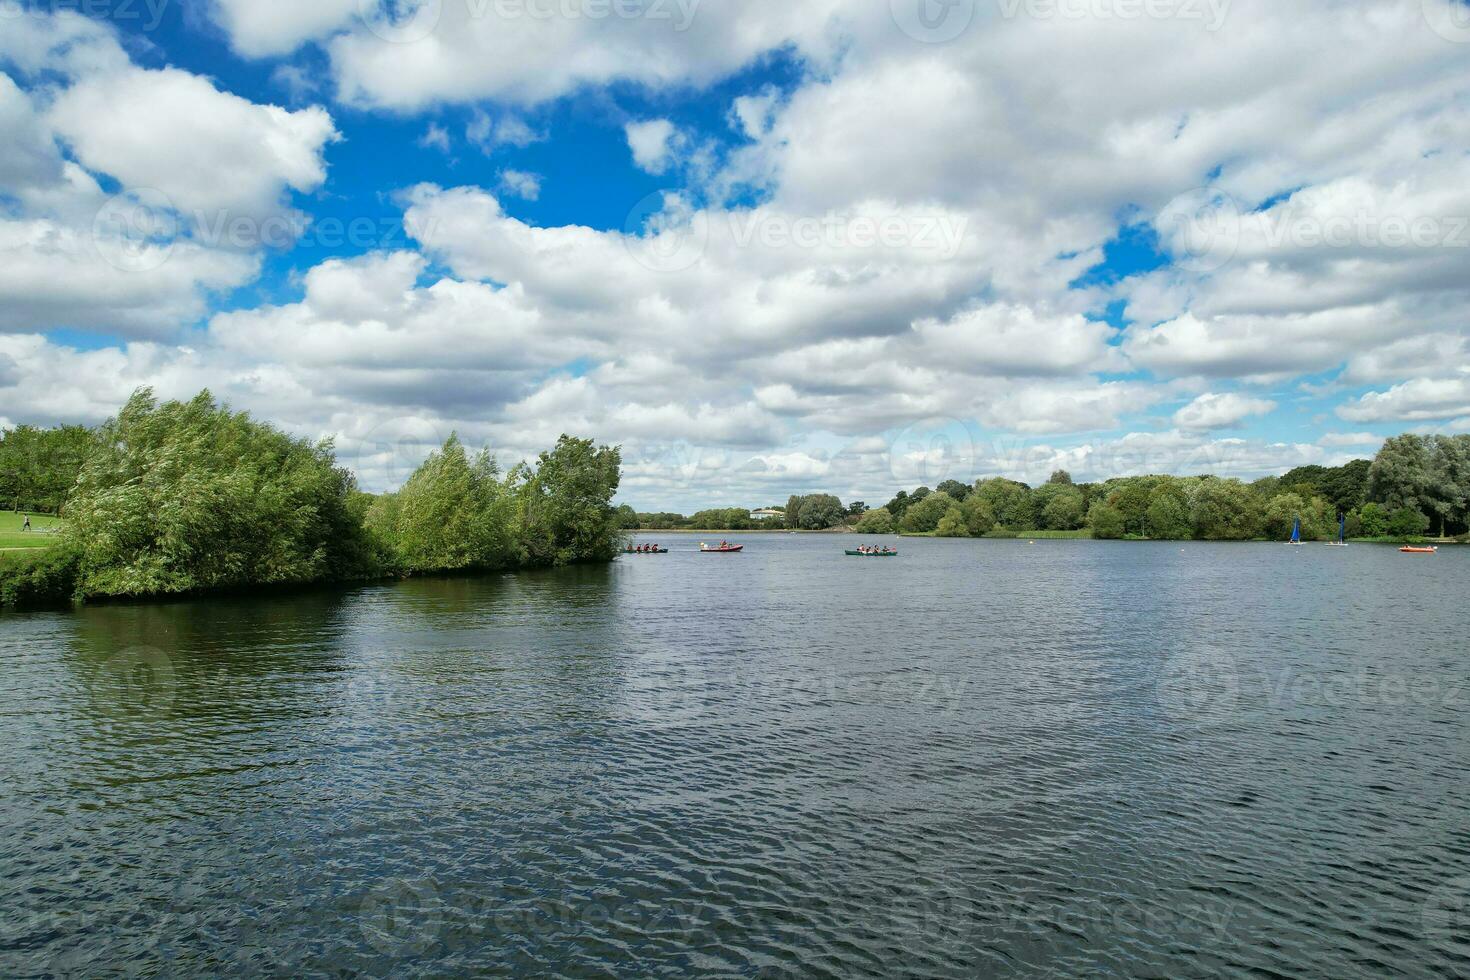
column 1342, row 528
column 1296, row 532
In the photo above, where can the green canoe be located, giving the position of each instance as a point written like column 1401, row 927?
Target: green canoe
column 872, row 554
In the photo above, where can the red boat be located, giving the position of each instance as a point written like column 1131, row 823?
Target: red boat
column 724, row 549
column 1411, row 550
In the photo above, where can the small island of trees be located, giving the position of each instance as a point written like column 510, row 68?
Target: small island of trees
column 190, row 497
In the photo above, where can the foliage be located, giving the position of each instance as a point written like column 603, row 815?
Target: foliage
column 1061, row 506
column 957, row 491
column 979, row 518
column 566, row 512
column 453, row 514
column 39, row 467
column 1010, row 502
column 876, row 522
column 1167, row 517
column 1373, row 521
column 1226, row 510
column 1106, row 522
column 1406, row 522
column 924, row 516
column 952, row 524
column 627, row 518
column 1060, row 477
column 663, row 521
column 188, row 496
column 40, row 578
column 722, row 519
column 820, row 512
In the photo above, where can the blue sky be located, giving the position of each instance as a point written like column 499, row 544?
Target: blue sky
column 766, row 249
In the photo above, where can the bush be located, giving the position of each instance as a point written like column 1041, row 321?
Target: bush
column 1106, row 522
column 952, row 524
column 46, row 577
column 1407, row 523
column 876, row 522
column 924, row 517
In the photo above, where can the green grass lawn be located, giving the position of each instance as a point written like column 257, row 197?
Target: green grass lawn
column 11, row 536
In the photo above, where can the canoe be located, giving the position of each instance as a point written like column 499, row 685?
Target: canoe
column 647, row 551
column 1419, row 551
column 872, row 554
column 732, row 550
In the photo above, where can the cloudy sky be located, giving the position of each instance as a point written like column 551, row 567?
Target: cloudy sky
column 768, row 247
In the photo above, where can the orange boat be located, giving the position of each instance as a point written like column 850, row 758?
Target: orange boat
column 1411, row 550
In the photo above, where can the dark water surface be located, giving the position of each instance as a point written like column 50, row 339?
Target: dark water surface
column 984, row 758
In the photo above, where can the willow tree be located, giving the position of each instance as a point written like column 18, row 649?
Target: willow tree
column 453, row 514
column 189, row 496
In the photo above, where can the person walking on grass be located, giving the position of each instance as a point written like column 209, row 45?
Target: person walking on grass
column 26, row 524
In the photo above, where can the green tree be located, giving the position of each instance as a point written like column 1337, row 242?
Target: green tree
column 566, row 508
column 821, row 511
column 1010, row 502
column 453, row 514
column 952, row 524
column 793, row 512
column 924, row 516
column 1373, row 521
column 1130, row 497
column 876, row 522
column 1282, row 513
column 1167, row 518
column 1406, row 522
column 1061, row 477
column 979, row 518
column 957, row 491
column 628, row 518
column 187, row 496
column 39, row 467
column 1061, row 505
column 1225, row 510
column 1106, row 522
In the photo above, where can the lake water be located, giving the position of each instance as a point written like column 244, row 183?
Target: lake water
column 983, row 758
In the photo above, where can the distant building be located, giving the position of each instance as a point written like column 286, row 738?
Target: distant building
column 766, row 514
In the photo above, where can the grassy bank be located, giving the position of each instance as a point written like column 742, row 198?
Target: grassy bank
column 41, row 534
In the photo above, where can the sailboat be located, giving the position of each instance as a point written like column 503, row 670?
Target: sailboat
column 1296, row 533
column 1341, row 541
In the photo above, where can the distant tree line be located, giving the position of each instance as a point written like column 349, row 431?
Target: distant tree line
column 817, row 512
column 188, row 497
column 39, row 467
column 1415, row 484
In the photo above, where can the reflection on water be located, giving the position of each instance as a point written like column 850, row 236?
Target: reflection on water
column 986, row 757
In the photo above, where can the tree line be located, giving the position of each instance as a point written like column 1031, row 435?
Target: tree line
column 185, row 497
column 1415, row 484
column 816, row 512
